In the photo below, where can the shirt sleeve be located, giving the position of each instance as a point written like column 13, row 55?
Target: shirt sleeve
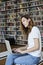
column 35, row 32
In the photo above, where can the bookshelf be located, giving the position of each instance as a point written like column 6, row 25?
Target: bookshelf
column 13, row 11
column 10, row 12
column 2, row 21
column 10, row 20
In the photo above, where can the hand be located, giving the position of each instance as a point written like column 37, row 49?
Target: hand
column 17, row 50
column 13, row 50
column 20, row 51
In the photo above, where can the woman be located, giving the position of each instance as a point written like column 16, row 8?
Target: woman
column 30, row 54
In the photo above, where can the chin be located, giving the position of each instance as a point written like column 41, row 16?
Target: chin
column 26, row 26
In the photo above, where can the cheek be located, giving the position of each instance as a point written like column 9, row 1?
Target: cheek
column 23, row 23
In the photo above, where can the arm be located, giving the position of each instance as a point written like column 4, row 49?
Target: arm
column 36, row 46
column 23, row 48
column 20, row 48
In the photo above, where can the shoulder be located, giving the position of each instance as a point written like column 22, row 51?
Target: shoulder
column 35, row 28
column 35, row 32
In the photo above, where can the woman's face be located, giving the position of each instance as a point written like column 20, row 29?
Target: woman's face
column 25, row 22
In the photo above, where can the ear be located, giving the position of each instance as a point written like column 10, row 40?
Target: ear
column 29, row 20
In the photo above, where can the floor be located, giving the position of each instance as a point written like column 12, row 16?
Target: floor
column 2, row 62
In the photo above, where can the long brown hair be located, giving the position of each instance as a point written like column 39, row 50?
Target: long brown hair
column 31, row 24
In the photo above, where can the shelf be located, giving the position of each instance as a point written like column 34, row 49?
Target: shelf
column 23, row 3
column 11, row 25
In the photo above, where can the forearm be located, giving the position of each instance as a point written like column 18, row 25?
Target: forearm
column 36, row 46
column 31, row 50
column 20, row 48
column 23, row 48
